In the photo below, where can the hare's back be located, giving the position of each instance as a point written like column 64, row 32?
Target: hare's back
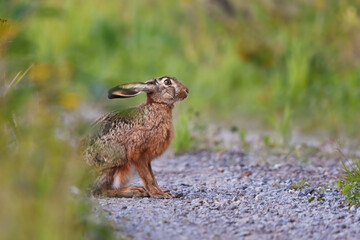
column 107, row 145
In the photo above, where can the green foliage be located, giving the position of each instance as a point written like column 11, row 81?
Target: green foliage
column 42, row 179
column 293, row 61
column 183, row 139
column 318, row 199
column 350, row 183
column 299, row 185
column 283, row 126
column 245, row 145
column 242, row 134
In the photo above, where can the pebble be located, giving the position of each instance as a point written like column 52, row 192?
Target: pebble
column 259, row 197
column 353, row 208
column 357, row 215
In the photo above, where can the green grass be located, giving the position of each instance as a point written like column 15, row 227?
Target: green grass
column 350, row 182
column 183, row 140
column 299, row 185
column 288, row 64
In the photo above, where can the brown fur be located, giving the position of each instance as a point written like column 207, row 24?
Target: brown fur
column 134, row 138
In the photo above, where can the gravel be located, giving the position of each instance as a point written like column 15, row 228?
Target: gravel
column 228, row 195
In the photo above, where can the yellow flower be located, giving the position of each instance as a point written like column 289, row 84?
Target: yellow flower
column 319, row 4
column 70, row 100
column 40, row 72
column 64, row 71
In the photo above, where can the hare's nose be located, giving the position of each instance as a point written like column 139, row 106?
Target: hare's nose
column 187, row 90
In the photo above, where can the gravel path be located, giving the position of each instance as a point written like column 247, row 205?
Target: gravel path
column 229, row 196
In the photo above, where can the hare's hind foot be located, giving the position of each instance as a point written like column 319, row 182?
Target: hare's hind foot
column 127, row 192
column 158, row 193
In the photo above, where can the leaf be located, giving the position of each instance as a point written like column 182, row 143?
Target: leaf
column 346, row 189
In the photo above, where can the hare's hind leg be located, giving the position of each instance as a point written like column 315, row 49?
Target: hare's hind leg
column 103, row 181
column 116, row 179
column 121, row 177
column 128, row 192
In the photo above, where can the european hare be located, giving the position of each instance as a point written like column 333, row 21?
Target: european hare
column 134, row 138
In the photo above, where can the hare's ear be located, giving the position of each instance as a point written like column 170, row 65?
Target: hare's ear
column 130, row 90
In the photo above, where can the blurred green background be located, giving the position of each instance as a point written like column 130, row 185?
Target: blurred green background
column 282, row 64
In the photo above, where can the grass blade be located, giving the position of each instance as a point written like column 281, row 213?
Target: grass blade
column 16, row 80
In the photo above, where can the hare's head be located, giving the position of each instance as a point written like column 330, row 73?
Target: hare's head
column 166, row 90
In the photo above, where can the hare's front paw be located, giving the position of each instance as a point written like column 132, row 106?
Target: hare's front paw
column 157, row 193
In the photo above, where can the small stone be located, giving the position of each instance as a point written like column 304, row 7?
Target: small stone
column 246, row 174
column 197, row 202
column 353, row 208
column 179, row 195
column 233, row 206
column 214, row 207
column 184, row 185
column 309, row 191
column 242, row 193
column 244, row 233
column 306, row 191
column 145, row 200
column 259, row 197
column 357, row 215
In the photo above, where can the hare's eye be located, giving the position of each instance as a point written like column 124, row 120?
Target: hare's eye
column 167, row 82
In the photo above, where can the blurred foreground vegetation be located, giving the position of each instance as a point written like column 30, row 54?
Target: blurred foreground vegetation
column 239, row 58
column 285, row 63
